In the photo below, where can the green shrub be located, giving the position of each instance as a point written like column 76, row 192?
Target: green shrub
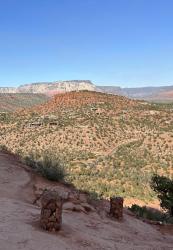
column 3, row 148
column 163, row 186
column 48, row 166
column 94, row 195
column 30, row 161
column 151, row 214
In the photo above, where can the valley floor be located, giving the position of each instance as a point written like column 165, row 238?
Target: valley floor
column 19, row 227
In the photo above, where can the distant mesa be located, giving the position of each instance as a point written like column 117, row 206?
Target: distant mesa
column 51, row 88
column 163, row 93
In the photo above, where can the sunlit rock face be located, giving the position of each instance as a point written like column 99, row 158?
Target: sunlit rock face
column 51, row 88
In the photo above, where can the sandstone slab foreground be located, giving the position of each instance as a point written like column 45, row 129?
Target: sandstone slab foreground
column 19, row 227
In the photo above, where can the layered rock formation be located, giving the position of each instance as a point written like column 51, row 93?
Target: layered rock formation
column 52, row 88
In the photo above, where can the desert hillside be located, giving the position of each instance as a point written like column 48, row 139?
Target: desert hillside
column 84, row 225
column 14, row 101
column 109, row 144
column 157, row 94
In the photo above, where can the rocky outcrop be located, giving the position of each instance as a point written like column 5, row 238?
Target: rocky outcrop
column 52, row 88
column 73, row 200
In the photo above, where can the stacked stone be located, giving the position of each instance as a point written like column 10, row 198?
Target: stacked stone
column 116, row 207
column 51, row 211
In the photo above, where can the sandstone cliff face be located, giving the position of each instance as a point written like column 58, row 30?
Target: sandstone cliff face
column 163, row 93
column 59, row 86
column 52, row 87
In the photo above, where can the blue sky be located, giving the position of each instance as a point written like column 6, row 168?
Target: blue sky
column 111, row 42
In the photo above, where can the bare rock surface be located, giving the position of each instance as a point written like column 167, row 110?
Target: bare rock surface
column 19, row 221
column 51, row 87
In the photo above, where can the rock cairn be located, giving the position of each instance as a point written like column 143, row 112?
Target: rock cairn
column 116, row 207
column 51, row 211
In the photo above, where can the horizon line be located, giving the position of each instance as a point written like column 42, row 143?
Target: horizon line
column 93, row 82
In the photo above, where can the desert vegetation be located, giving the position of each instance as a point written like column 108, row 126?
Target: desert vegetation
column 151, row 214
column 109, row 144
column 12, row 102
column 49, row 166
column 163, row 186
